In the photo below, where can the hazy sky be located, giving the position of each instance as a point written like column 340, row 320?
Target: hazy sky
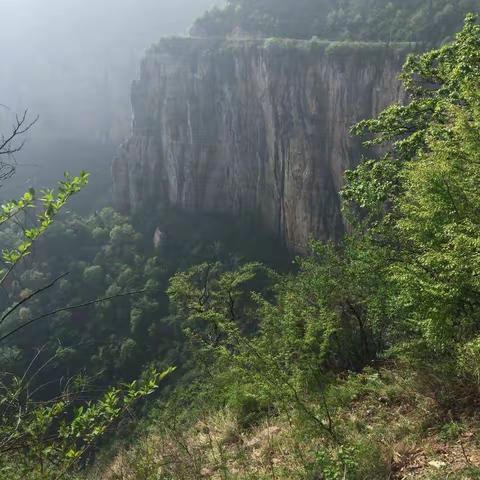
column 72, row 61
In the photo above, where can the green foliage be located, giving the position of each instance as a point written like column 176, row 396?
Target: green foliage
column 421, row 200
column 104, row 256
column 93, row 274
column 450, row 431
column 428, row 22
column 341, row 466
column 111, row 341
column 47, row 440
column 469, row 360
column 352, row 49
column 52, row 202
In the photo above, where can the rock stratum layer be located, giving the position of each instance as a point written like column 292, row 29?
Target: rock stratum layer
column 252, row 128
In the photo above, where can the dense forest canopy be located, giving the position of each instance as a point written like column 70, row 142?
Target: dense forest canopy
column 431, row 21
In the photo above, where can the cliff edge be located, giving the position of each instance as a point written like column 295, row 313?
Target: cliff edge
column 253, row 127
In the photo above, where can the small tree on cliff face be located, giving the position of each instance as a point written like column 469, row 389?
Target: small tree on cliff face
column 47, row 439
column 422, row 199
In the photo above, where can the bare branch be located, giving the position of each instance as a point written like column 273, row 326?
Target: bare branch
column 70, row 308
column 34, row 294
column 12, row 143
column 21, row 126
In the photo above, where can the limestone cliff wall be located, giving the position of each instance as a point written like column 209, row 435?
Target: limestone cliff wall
column 252, row 127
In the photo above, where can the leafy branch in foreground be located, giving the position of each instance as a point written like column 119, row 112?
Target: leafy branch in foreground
column 48, row 439
column 421, row 200
column 51, row 202
column 435, row 82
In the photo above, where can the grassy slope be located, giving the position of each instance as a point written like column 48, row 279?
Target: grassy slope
column 395, row 424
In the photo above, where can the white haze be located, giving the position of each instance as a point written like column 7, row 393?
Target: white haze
column 72, row 61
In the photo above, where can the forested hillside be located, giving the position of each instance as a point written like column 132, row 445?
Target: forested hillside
column 172, row 345
column 430, row 22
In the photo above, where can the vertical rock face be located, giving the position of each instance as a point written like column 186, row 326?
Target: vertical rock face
column 252, row 128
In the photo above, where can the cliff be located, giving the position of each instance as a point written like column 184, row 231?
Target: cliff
column 253, row 127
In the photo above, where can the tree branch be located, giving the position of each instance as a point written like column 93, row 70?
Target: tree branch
column 9, row 146
column 67, row 309
column 34, row 294
column 21, row 126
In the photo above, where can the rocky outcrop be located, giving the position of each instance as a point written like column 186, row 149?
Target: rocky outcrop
column 255, row 127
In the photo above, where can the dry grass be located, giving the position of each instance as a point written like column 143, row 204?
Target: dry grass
column 393, row 422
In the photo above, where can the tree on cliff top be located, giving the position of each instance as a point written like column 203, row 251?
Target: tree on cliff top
column 425, row 21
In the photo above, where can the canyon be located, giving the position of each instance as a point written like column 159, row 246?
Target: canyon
column 255, row 128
